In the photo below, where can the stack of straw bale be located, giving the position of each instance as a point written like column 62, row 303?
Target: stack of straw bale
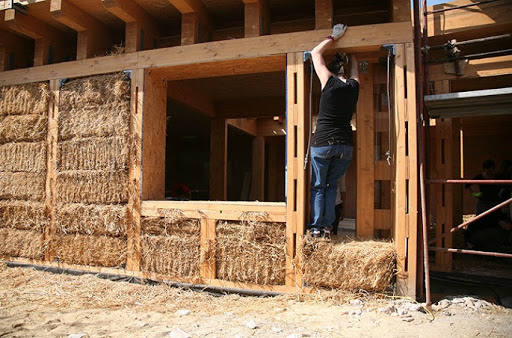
column 92, row 171
column 251, row 252
column 170, row 245
column 351, row 265
column 23, row 130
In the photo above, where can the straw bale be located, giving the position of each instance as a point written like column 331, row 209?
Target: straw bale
column 21, row 243
column 19, row 128
column 95, row 153
column 111, row 119
column 165, row 226
column 23, row 215
column 92, row 187
column 252, row 253
column 92, row 219
column 27, row 157
column 90, row 250
column 30, row 98
column 353, row 265
column 177, row 256
column 22, row 186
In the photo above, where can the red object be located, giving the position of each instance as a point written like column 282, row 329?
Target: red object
column 330, row 37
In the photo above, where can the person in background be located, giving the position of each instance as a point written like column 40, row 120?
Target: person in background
column 332, row 146
column 339, row 209
column 487, row 194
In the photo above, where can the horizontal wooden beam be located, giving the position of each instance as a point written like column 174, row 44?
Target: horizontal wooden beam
column 31, row 27
column 500, row 65
column 248, row 126
column 72, row 16
column 357, row 39
column 190, row 97
column 188, row 6
column 266, row 107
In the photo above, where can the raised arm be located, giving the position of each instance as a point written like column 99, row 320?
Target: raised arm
column 317, row 53
column 354, row 68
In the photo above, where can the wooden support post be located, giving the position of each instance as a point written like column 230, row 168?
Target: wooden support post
column 134, row 172
column 218, row 159
column 401, row 10
column 296, row 198
column 208, row 237
column 92, row 36
column 141, row 32
column 51, row 168
column 365, row 148
column 401, row 173
column 258, row 169
column 196, row 22
column 323, row 14
column 154, row 135
column 256, row 18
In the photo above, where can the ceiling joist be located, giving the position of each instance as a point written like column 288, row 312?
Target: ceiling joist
column 31, row 27
column 190, row 97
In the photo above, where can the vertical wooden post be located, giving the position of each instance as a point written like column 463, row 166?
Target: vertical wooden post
column 155, row 118
column 365, row 148
column 134, row 171
column 296, row 198
column 258, row 169
column 41, row 49
column 3, row 58
column 323, row 14
column 256, row 18
column 208, row 237
column 218, row 159
column 401, row 10
column 51, row 167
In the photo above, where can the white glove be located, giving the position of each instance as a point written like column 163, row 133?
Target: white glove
column 338, row 31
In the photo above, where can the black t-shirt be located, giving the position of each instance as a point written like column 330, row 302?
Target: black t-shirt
column 337, row 103
column 490, row 192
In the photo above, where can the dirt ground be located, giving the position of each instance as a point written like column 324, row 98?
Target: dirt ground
column 41, row 304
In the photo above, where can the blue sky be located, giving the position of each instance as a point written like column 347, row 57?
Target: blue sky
column 434, row 2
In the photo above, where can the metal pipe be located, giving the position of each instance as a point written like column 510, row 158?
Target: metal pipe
column 472, row 252
column 473, row 56
column 421, row 146
column 506, row 182
column 467, row 42
column 459, row 7
column 476, row 218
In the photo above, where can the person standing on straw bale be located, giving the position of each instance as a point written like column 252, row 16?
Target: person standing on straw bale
column 332, row 146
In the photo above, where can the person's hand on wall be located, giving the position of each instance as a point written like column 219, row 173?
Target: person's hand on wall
column 338, row 31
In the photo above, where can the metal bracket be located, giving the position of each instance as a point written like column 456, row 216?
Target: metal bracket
column 307, row 55
column 128, row 74
column 391, row 48
column 363, row 66
column 62, row 82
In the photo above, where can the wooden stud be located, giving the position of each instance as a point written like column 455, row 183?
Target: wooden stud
column 208, row 237
column 154, row 135
column 218, row 159
column 256, row 18
column 365, row 156
column 196, row 22
column 134, row 172
column 51, row 168
column 323, row 14
column 258, row 169
column 401, row 10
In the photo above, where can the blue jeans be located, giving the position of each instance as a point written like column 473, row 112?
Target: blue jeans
column 328, row 164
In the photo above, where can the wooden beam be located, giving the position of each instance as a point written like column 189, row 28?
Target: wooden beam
column 495, row 66
column 139, row 24
column 267, row 107
column 401, row 10
column 323, row 14
column 208, row 238
column 269, row 127
column 248, row 126
column 153, row 155
column 357, row 39
column 256, row 18
column 218, row 159
column 365, row 145
column 190, row 97
column 258, row 169
column 196, row 21
column 17, row 52
column 93, row 37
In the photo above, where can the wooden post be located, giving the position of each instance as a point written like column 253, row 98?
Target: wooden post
column 256, row 18
column 134, row 171
column 218, row 159
column 258, row 169
column 155, row 118
column 365, row 156
column 323, row 14
column 401, row 10
column 51, row 168
column 208, row 236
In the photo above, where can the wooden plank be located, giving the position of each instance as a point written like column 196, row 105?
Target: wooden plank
column 258, row 169
column 365, row 140
column 31, row 27
column 265, row 107
column 400, row 196
column 3, row 58
column 190, row 97
column 401, row 10
column 248, row 126
column 413, row 196
column 51, row 168
column 207, row 249
column 323, row 14
column 382, row 219
column 134, row 172
column 218, row 159
column 382, row 171
column 154, row 135
column 494, row 66
column 357, row 39
column 270, row 127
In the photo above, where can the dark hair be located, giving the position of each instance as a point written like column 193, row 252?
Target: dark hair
column 337, row 65
column 488, row 164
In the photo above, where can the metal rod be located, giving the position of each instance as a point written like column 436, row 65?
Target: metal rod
column 473, row 56
column 467, row 42
column 421, row 146
column 459, row 7
column 476, row 218
column 506, row 182
column 472, row 252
